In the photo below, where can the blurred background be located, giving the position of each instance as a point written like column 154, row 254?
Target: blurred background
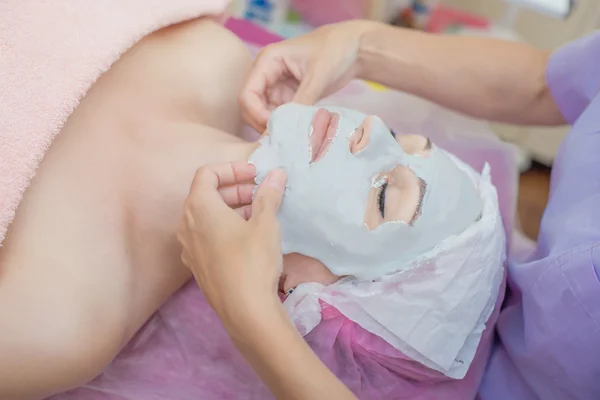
column 544, row 23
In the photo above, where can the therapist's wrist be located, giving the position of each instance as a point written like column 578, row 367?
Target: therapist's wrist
column 391, row 55
column 368, row 34
column 284, row 361
column 245, row 320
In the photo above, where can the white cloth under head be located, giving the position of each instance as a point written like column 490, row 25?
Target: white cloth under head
column 434, row 312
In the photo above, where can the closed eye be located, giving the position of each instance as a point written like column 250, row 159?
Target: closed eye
column 381, row 199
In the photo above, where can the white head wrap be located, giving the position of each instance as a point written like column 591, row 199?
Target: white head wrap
column 435, row 311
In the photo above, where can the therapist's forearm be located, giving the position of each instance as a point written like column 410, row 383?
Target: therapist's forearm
column 485, row 78
column 284, row 361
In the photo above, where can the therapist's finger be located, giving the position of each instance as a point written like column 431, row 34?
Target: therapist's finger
column 253, row 97
column 311, row 87
column 205, row 212
column 269, row 195
column 245, row 211
column 255, row 111
column 267, row 70
column 283, row 92
column 237, row 195
column 204, row 207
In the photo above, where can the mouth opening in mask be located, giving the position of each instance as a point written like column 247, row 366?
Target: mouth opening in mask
column 323, row 132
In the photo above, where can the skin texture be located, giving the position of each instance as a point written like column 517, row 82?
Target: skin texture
column 484, row 78
column 103, row 209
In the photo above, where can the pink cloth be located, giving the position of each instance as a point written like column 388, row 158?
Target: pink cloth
column 252, row 33
column 373, row 369
column 51, row 53
column 318, row 12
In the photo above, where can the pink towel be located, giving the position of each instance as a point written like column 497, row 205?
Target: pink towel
column 51, row 52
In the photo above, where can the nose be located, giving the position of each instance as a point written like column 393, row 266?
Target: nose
column 361, row 136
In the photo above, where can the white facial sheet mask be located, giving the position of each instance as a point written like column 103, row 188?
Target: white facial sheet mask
column 323, row 210
column 427, row 290
column 437, row 309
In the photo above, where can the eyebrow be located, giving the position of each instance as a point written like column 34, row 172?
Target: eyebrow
column 428, row 144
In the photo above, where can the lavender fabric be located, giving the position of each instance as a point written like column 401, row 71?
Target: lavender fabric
column 549, row 328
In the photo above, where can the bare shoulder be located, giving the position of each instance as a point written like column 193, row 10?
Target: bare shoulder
column 205, row 63
column 80, row 270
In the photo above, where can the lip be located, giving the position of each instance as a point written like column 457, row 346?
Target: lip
column 324, row 129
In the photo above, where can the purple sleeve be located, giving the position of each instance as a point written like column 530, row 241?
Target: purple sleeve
column 572, row 216
column 573, row 75
column 550, row 325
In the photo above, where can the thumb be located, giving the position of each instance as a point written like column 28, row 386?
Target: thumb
column 311, row 87
column 269, row 195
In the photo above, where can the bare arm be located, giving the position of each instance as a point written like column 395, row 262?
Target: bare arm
column 283, row 359
column 485, row 78
column 236, row 260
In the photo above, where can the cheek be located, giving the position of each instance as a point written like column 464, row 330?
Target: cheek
column 307, row 272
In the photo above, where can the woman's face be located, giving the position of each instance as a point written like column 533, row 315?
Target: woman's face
column 398, row 193
column 361, row 199
column 396, row 200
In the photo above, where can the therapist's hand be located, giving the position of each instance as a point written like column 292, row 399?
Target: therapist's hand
column 231, row 243
column 233, row 249
column 303, row 70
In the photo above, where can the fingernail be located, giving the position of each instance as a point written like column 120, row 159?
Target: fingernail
column 276, row 179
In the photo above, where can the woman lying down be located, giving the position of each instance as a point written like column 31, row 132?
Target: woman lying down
column 390, row 231
column 408, row 239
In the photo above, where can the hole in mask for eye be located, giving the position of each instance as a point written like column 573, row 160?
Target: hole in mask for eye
column 396, row 197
